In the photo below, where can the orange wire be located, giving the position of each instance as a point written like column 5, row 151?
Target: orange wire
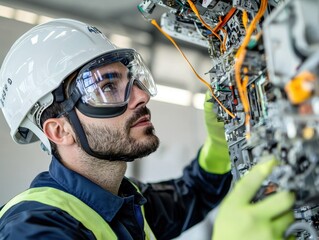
column 240, row 56
column 153, row 21
column 193, row 7
column 222, row 23
column 225, row 19
column 218, row 26
column 225, row 37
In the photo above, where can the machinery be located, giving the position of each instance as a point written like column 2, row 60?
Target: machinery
column 264, row 74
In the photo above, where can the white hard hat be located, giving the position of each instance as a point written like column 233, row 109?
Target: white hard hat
column 37, row 64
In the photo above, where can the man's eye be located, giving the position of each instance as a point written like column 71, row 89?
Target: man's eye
column 109, row 87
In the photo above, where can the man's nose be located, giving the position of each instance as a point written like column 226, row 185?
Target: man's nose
column 138, row 96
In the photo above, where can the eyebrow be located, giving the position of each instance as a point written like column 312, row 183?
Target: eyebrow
column 118, row 75
column 111, row 75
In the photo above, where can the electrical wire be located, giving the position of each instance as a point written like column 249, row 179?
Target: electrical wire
column 245, row 19
column 198, row 31
column 218, row 27
column 225, row 34
column 224, row 38
column 224, row 20
column 194, row 9
column 153, row 22
column 240, row 56
column 180, row 3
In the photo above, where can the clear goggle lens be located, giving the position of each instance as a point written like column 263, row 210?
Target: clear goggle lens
column 107, row 81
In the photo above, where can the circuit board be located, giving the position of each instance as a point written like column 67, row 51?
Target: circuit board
column 264, row 74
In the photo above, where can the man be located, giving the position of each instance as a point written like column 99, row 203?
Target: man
column 65, row 84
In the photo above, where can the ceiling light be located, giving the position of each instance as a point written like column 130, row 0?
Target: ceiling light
column 6, row 12
column 22, row 15
column 25, row 16
column 198, row 100
column 173, row 95
column 44, row 19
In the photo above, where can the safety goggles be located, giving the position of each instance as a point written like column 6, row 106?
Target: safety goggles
column 105, row 83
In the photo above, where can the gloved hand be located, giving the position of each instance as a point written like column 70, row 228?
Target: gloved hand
column 214, row 156
column 267, row 219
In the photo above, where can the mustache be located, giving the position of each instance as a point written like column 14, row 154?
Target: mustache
column 138, row 114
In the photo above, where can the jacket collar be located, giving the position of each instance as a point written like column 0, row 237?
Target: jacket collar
column 103, row 202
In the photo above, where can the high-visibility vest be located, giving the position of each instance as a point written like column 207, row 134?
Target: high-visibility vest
column 73, row 206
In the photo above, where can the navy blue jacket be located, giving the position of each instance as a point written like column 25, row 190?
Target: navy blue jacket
column 171, row 207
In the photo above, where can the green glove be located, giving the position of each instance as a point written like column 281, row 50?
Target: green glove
column 267, row 219
column 214, row 156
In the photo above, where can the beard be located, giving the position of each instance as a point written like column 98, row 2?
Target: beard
column 117, row 143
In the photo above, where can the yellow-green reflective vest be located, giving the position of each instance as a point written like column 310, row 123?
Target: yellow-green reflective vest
column 73, row 206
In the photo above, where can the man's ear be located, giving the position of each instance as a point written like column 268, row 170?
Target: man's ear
column 59, row 131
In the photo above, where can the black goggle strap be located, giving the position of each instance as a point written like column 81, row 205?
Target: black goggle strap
column 67, row 104
column 77, row 126
column 84, row 142
column 70, row 103
column 69, row 108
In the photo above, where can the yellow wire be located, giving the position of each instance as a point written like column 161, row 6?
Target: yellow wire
column 153, row 21
column 245, row 19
